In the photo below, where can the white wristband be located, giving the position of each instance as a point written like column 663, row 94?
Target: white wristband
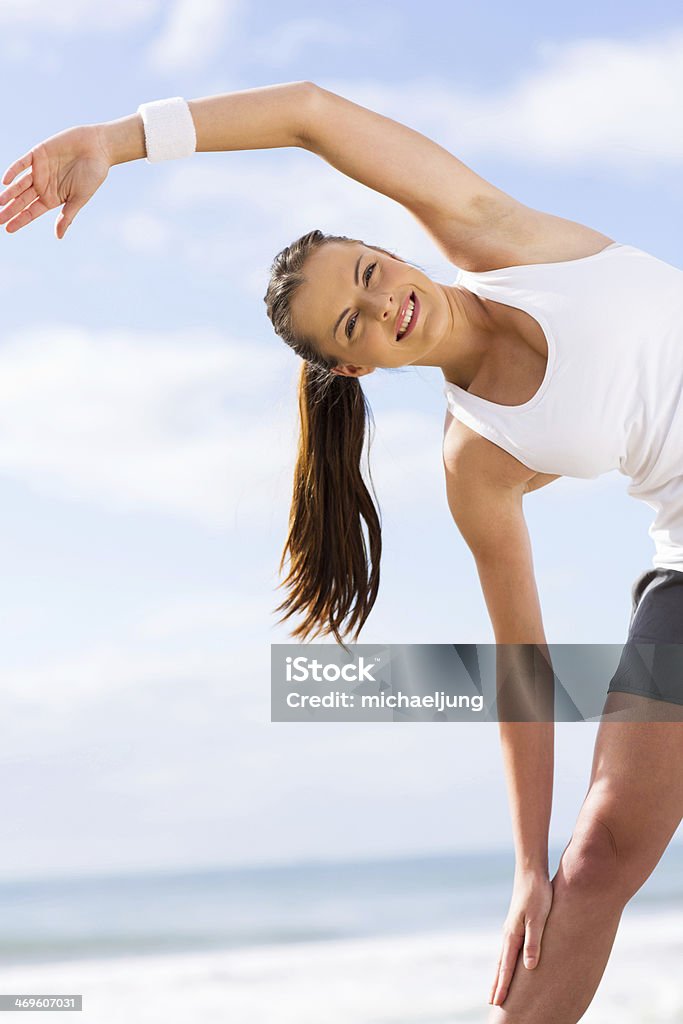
column 169, row 129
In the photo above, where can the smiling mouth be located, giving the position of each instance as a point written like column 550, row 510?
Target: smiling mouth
column 409, row 320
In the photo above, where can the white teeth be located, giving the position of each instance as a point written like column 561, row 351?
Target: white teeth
column 407, row 318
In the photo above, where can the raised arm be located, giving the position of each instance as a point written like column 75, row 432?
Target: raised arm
column 454, row 205
column 485, row 498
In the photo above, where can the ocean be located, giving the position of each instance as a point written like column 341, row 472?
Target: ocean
column 393, row 941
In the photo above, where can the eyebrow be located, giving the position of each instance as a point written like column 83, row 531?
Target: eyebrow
column 355, row 277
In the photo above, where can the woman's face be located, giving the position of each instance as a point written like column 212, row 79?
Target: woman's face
column 351, row 302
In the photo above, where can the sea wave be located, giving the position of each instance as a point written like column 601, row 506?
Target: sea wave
column 427, row 978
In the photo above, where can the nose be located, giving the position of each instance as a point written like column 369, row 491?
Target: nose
column 382, row 306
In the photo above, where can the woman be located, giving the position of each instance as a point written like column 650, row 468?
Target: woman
column 546, row 315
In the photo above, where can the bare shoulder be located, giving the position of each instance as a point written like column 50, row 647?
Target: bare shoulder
column 473, row 459
column 484, row 490
column 514, row 235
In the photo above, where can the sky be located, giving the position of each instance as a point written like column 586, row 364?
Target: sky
column 148, row 424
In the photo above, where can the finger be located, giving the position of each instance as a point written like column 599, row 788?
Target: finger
column 504, row 979
column 502, row 958
column 32, row 212
column 16, row 189
column 494, row 986
column 19, row 165
column 507, row 968
column 69, row 211
column 532, row 946
column 18, row 204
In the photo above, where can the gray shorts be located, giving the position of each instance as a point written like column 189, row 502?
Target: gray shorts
column 651, row 663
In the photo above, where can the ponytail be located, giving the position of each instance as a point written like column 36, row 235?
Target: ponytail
column 332, row 576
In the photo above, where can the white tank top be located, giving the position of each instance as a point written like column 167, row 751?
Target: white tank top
column 612, row 394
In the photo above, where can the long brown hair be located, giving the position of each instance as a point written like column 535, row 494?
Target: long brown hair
column 334, row 573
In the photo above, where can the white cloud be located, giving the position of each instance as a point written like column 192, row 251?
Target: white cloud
column 195, row 32
column 599, row 98
column 253, row 182
column 141, row 232
column 287, row 42
column 139, row 420
column 407, row 447
column 197, row 638
column 75, row 16
column 613, row 101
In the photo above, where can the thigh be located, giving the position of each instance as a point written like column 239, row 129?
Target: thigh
column 636, row 791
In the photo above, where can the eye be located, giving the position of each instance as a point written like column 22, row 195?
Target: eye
column 351, row 322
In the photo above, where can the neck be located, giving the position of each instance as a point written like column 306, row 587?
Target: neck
column 466, row 339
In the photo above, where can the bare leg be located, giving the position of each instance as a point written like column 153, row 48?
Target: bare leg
column 633, row 807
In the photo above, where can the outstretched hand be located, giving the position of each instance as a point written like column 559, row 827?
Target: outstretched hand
column 532, row 898
column 64, row 170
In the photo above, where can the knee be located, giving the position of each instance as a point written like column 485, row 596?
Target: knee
column 590, row 861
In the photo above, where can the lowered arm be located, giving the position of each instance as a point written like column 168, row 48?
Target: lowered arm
column 489, row 515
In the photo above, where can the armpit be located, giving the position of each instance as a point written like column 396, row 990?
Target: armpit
column 540, row 480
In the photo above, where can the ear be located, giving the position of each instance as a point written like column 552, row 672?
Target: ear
column 348, row 370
